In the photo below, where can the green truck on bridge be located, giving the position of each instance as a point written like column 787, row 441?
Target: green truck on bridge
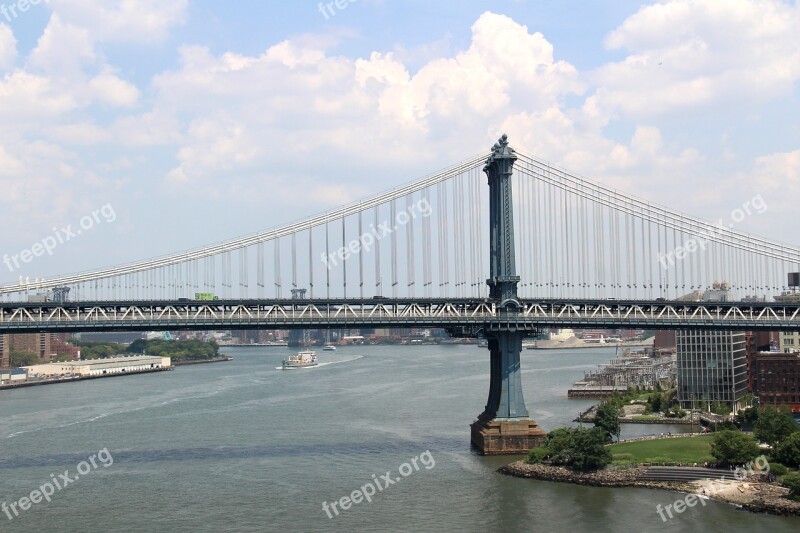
column 205, row 296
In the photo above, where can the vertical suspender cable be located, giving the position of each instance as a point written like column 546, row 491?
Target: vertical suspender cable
column 361, row 254
column 344, row 261
column 311, row 262
column 378, row 287
column 393, row 209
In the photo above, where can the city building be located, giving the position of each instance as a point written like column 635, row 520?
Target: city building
column 63, row 348
column 755, row 343
column 776, row 379
column 5, row 352
column 36, row 343
column 712, row 365
column 13, row 376
column 789, row 341
column 664, row 340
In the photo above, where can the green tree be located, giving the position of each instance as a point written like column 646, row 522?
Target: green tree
column 671, row 398
column 98, row 350
column 792, row 482
column 560, row 442
column 590, row 452
column 137, row 346
column 731, row 448
column 746, row 417
column 579, row 448
column 719, row 408
column 788, row 451
column 774, row 425
column 19, row 358
column 607, row 419
column 655, row 403
column 177, row 350
column 617, row 400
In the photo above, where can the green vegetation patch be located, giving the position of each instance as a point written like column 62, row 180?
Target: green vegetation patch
column 668, row 450
column 177, row 350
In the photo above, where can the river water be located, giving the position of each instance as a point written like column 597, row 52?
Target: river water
column 244, row 446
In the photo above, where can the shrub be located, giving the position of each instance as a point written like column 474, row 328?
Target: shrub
column 725, row 425
column 778, row 469
column 537, row 455
column 792, row 482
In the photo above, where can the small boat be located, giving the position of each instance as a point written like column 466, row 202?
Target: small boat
column 329, row 348
column 303, row 359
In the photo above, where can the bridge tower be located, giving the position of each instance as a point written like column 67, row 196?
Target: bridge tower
column 504, row 427
column 298, row 337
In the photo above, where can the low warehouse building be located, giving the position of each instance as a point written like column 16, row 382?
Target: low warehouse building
column 100, row 367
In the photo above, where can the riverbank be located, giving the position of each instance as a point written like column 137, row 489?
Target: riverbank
column 574, row 343
column 81, row 378
column 749, row 494
column 590, row 414
column 202, row 361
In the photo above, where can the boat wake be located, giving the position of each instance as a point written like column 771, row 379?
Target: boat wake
column 325, row 364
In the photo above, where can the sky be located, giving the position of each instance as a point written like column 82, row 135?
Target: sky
column 176, row 124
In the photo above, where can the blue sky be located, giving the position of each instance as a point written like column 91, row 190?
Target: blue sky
column 199, row 121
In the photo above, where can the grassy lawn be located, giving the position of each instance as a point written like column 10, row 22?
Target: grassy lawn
column 674, row 450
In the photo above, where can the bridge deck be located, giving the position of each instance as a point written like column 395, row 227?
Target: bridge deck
column 467, row 316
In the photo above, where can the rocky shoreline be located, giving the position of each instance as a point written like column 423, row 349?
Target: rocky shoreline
column 749, row 494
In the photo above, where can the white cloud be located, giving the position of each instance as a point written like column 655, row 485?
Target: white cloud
column 111, row 90
column 298, row 120
column 26, row 97
column 328, row 108
column 63, row 49
column 691, row 53
column 779, row 172
column 215, row 146
column 8, row 47
column 134, row 21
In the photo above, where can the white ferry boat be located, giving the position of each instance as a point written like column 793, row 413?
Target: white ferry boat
column 788, row 297
column 303, row 359
column 329, row 348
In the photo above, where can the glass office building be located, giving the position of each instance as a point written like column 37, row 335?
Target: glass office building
column 711, row 367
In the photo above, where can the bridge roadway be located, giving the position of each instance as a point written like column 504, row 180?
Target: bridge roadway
column 461, row 316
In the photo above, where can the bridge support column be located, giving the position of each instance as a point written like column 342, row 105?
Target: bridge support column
column 504, row 427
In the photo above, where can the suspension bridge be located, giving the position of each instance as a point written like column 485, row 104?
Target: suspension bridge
column 563, row 252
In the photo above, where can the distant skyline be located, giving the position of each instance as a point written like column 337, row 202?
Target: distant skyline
column 196, row 122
